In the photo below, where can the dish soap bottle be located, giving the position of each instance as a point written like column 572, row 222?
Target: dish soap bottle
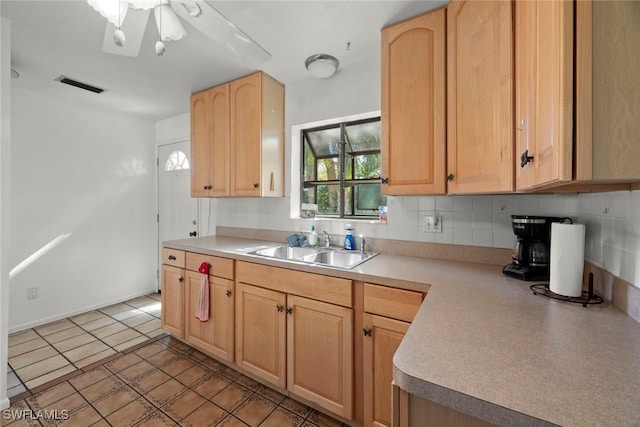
column 313, row 236
column 349, row 241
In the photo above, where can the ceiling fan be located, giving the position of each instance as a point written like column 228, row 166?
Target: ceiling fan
column 124, row 36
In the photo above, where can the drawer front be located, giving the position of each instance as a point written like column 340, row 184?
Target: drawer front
column 315, row 286
column 391, row 302
column 220, row 267
column 174, row 257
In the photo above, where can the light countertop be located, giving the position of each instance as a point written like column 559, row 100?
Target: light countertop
column 483, row 344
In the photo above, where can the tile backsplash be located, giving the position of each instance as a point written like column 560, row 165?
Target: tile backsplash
column 612, row 221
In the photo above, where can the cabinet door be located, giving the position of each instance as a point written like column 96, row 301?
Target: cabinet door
column 413, row 106
column 320, row 353
column 544, row 92
column 210, row 142
column 479, row 96
column 260, row 333
column 216, row 335
column 246, row 135
column 173, row 300
column 382, row 338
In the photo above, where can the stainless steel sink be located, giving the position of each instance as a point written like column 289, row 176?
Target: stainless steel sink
column 329, row 257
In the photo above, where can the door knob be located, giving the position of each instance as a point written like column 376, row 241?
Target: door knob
column 193, row 234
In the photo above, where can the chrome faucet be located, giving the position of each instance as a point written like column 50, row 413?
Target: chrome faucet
column 327, row 239
column 362, row 242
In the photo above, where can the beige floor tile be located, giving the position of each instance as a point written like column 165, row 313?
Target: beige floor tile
column 26, row 346
column 135, row 371
column 231, row 397
column 154, row 296
column 131, row 413
column 32, row 357
column 207, row 415
column 231, row 421
column 20, row 337
column 71, row 403
column 280, row 417
column 126, row 345
column 270, row 394
column 51, row 328
column 71, row 332
column 110, row 403
column 149, row 326
column 164, row 357
column 42, row 367
column 87, row 317
column 108, row 330
column 165, row 393
column 150, row 350
column 123, row 362
column 254, row 410
column 156, row 419
column 74, row 342
column 247, row 382
column 114, row 309
column 149, row 382
column 296, row 407
column 94, row 358
column 212, row 385
column 183, row 405
column 98, row 323
column 46, row 398
column 131, row 312
column 85, row 351
column 85, row 416
column 153, row 309
column 321, row 420
column 178, row 366
column 49, row 376
column 141, row 301
column 102, row 388
column 155, row 333
column 138, row 320
column 89, row 378
column 121, row 337
column 193, row 375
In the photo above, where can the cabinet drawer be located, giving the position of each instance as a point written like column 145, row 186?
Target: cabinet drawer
column 315, row 286
column 220, row 267
column 391, row 302
column 173, row 257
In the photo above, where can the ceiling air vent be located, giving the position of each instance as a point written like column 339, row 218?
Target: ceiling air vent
column 85, row 86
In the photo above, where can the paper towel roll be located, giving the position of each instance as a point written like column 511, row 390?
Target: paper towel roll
column 567, row 259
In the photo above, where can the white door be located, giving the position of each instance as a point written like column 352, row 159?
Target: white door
column 177, row 210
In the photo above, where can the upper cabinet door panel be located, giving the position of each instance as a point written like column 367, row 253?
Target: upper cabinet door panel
column 480, row 96
column 220, row 140
column 413, row 105
column 246, row 136
column 201, row 147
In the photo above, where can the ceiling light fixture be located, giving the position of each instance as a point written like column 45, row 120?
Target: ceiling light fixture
column 322, row 66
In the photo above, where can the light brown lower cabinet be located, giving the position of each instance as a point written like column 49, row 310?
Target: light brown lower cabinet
column 172, row 296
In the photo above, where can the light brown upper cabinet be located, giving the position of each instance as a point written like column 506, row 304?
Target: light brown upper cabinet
column 210, row 142
column 257, row 136
column 544, row 92
column 479, row 96
column 237, row 139
column 413, row 106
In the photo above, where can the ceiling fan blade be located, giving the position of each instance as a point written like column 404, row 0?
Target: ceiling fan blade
column 133, row 27
column 222, row 31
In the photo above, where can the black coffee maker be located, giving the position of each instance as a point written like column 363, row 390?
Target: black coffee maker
column 530, row 257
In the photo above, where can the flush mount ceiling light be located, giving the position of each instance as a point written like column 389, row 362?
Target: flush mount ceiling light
column 124, row 36
column 322, row 66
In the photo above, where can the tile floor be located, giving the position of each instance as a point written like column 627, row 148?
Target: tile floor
column 156, row 382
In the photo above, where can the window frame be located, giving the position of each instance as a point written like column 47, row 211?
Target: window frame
column 342, row 181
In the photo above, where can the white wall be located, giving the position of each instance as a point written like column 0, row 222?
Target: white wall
column 88, row 173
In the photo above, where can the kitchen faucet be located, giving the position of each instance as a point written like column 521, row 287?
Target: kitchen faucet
column 362, row 242
column 327, row 239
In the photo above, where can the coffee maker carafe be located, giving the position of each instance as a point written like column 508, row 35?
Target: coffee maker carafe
column 530, row 257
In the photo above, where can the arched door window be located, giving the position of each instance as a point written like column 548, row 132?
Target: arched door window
column 177, row 161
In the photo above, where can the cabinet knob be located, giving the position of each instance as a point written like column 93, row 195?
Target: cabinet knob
column 172, row 258
column 193, row 234
column 256, row 185
column 525, row 158
column 385, row 180
column 450, row 177
column 180, row 279
column 228, row 293
column 280, row 308
column 367, row 332
column 289, row 310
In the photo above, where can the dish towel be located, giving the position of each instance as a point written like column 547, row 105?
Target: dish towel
column 202, row 309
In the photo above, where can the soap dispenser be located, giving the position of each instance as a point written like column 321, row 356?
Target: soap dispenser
column 313, row 236
column 349, row 241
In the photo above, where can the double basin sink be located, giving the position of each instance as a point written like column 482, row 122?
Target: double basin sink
column 328, row 257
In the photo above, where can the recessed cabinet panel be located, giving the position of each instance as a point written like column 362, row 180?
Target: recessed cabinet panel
column 480, row 97
column 173, row 300
column 413, row 106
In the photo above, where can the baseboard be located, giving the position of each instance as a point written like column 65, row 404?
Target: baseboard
column 60, row 316
column 4, row 402
column 621, row 293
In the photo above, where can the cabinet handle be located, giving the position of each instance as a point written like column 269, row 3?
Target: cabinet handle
column 521, row 128
column 450, row 177
column 180, row 279
column 289, row 310
column 228, row 293
column 525, row 158
column 280, row 308
column 172, row 258
column 384, row 180
column 272, row 183
column 256, row 185
column 367, row 332
column 193, row 234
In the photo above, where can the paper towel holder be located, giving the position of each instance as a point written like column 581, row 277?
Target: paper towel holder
column 587, row 298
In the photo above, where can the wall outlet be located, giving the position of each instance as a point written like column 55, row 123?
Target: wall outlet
column 32, row 293
column 431, row 224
